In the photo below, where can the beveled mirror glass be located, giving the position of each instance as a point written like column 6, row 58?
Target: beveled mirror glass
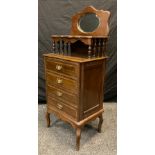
column 89, row 22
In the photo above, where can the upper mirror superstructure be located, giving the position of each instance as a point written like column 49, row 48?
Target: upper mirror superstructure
column 89, row 35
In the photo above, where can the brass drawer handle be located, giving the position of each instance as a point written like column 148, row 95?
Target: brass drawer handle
column 58, row 67
column 59, row 94
column 59, row 106
column 59, row 80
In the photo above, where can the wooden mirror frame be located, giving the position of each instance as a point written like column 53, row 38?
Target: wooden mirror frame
column 101, row 30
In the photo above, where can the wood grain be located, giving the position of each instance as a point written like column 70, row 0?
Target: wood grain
column 102, row 30
column 74, row 83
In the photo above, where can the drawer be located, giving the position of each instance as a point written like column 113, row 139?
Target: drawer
column 61, row 95
column 61, row 82
column 60, row 107
column 63, row 67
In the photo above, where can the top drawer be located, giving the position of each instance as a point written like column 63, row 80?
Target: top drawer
column 62, row 66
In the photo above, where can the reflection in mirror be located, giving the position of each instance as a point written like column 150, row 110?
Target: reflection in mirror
column 88, row 23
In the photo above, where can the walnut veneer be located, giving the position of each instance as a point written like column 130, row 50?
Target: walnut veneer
column 75, row 77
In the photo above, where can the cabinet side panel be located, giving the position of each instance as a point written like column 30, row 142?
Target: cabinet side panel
column 93, row 79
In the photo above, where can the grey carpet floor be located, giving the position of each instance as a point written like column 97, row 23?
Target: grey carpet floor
column 60, row 138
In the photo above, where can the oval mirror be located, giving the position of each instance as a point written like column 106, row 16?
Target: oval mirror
column 88, row 22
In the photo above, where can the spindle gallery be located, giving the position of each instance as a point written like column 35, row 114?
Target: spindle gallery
column 75, row 71
column 96, row 44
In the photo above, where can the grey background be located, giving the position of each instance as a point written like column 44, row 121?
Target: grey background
column 54, row 17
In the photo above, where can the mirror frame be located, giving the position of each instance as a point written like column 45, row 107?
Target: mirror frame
column 101, row 30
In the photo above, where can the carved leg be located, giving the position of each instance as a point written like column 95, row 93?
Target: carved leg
column 78, row 136
column 100, row 123
column 48, row 119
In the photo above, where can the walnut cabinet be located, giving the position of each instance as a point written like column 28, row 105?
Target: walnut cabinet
column 75, row 71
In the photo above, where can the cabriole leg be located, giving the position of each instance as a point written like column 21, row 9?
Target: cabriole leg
column 48, row 119
column 100, row 123
column 78, row 136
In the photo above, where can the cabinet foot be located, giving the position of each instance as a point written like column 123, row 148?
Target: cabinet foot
column 48, row 119
column 78, row 136
column 100, row 123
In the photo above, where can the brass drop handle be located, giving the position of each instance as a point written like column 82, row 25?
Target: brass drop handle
column 58, row 67
column 59, row 94
column 59, row 80
column 59, row 106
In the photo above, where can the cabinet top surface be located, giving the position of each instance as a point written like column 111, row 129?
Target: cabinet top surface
column 72, row 58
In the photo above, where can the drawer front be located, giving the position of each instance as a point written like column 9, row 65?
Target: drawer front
column 60, row 107
column 62, row 96
column 61, row 82
column 63, row 67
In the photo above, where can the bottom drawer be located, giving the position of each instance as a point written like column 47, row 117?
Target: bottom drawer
column 60, row 107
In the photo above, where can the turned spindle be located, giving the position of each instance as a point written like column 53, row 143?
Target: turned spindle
column 89, row 51
column 62, row 47
column 65, row 48
column 58, row 47
column 104, row 47
column 94, row 49
column 99, row 47
column 53, row 47
column 69, row 48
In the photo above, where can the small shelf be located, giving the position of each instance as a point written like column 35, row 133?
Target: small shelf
column 77, row 36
